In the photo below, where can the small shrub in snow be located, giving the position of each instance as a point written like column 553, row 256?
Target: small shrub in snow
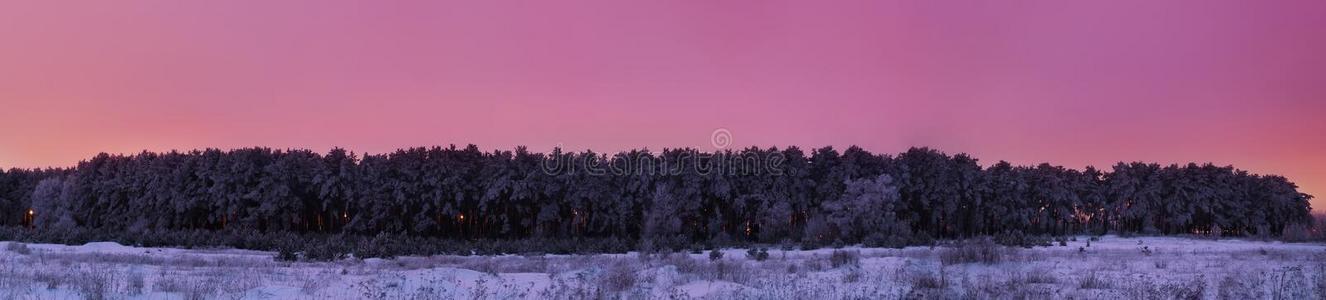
column 135, row 284
column 1092, row 281
column 715, row 255
column 371, row 289
column 683, row 263
column 170, row 284
column 51, row 280
column 810, row 244
column 812, row 265
column 1289, row 283
column 1319, row 280
column 433, row 289
column 757, row 254
column 972, row 251
column 324, row 250
column 643, row 257
column 727, row 271
column 926, row 282
column 852, row 275
column 1191, row 289
column 488, row 266
column 10, row 280
column 1041, row 277
column 841, row 258
column 1241, row 286
column 95, row 283
column 285, row 254
column 619, row 277
column 17, row 247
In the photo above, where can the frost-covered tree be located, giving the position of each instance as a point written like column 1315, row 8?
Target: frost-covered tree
column 868, row 207
column 49, row 197
column 678, row 197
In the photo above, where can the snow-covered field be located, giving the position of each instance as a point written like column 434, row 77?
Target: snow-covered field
column 1110, row 268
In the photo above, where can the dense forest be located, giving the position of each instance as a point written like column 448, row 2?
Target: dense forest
column 676, row 198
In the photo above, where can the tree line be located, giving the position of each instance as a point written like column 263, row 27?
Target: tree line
column 674, row 197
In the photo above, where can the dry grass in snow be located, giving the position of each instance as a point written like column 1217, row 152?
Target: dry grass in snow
column 1109, row 268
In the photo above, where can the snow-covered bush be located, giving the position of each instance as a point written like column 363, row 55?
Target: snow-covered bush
column 925, row 281
column 757, row 254
column 285, row 254
column 845, row 258
column 618, row 277
column 1094, row 281
column 1190, row 288
column 17, row 247
column 980, row 250
column 96, row 282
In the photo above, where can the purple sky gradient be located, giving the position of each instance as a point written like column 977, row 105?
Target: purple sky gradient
column 1067, row 82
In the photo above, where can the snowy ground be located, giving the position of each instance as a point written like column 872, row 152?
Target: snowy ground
column 1111, row 268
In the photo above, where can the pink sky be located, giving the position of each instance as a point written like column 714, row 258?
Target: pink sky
column 1067, row 82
